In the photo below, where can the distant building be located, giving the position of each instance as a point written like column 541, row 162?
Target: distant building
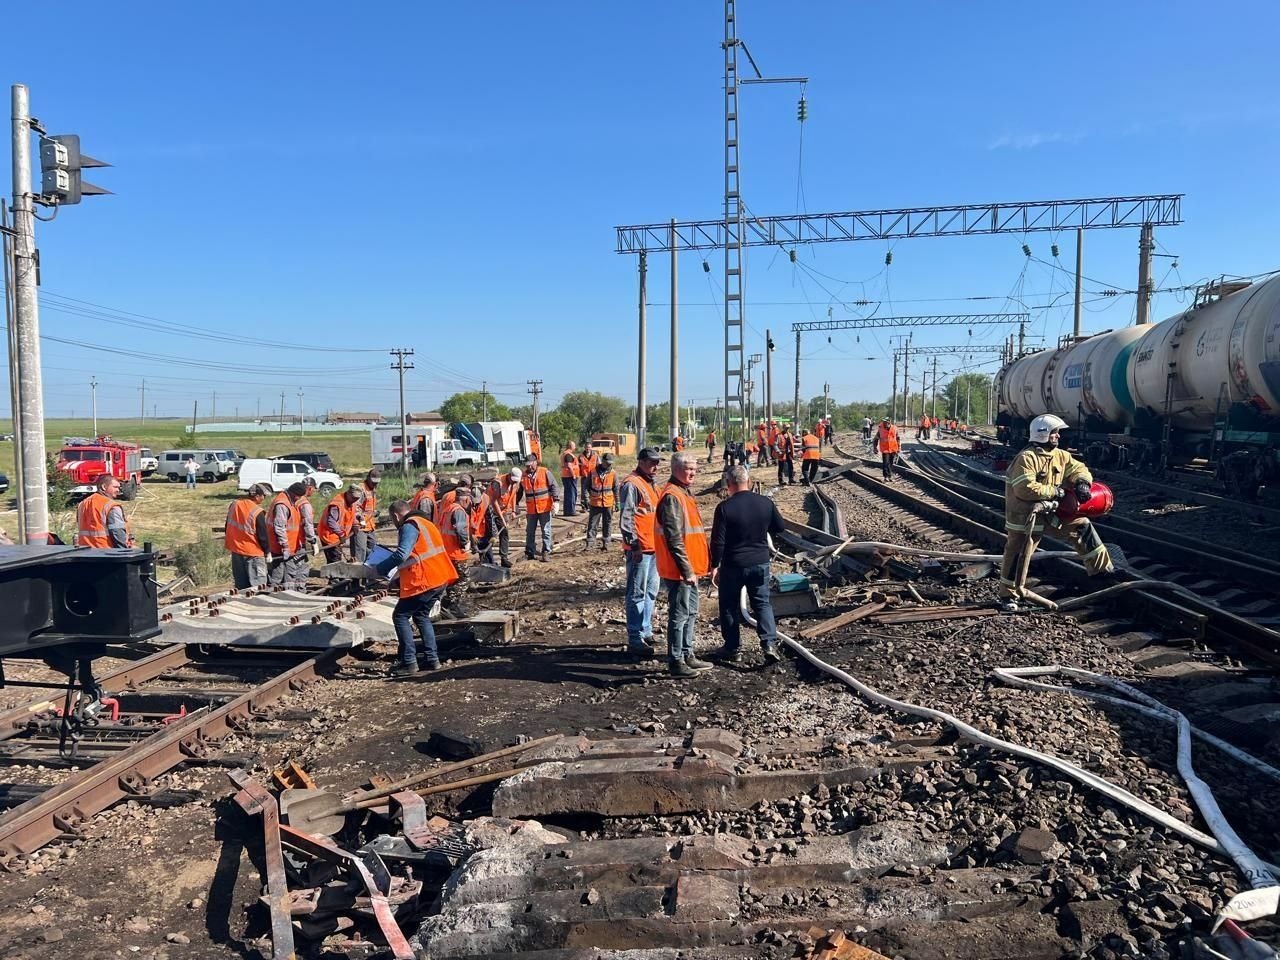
column 355, row 418
column 431, row 418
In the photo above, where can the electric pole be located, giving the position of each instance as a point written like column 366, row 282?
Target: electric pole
column 893, row 400
column 484, row 399
column 1079, row 276
column 93, row 390
column 142, row 403
column 933, row 408
column 195, row 410
column 642, row 400
column 400, row 353
column 281, row 411
column 749, row 408
column 906, row 381
column 213, row 409
column 826, row 400
column 768, row 377
column 796, row 413
column 302, row 419
column 535, row 388
column 675, row 339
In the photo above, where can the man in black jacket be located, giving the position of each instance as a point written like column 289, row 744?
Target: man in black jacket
column 740, row 558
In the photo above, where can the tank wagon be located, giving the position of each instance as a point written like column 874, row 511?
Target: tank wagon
column 1202, row 384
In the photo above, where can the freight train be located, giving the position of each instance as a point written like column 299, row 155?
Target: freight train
column 1203, row 384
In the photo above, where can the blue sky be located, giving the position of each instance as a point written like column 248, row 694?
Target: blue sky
column 448, row 176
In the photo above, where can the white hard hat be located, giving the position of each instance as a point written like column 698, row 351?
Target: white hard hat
column 516, row 473
column 1044, row 425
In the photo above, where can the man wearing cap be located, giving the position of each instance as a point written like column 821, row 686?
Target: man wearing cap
column 425, row 574
column 300, row 565
column 682, row 555
column 569, row 477
column 246, row 538
column 455, row 529
column 887, row 444
column 602, row 498
column 784, row 451
column 638, row 501
column 284, row 534
column 540, row 495
column 424, row 500
column 363, row 540
column 504, row 491
column 338, row 523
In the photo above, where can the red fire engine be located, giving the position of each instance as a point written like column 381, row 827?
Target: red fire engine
column 86, row 460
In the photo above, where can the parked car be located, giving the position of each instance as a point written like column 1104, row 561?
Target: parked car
column 213, row 464
column 317, row 460
column 278, row 474
column 150, row 463
column 6, row 436
column 4, row 483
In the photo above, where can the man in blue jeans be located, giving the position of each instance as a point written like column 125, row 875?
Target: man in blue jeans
column 637, row 501
column 740, row 558
column 425, row 573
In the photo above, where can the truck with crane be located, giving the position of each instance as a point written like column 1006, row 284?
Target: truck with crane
column 459, row 445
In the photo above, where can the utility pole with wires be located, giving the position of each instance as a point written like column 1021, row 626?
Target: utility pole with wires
column 281, row 411
column 796, row 399
column 642, row 400
column 142, row 403
column 400, row 353
column 933, row 408
column 302, row 417
column 93, row 390
column 768, row 377
column 675, row 339
column 484, row 399
column 535, row 388
column 213, row 409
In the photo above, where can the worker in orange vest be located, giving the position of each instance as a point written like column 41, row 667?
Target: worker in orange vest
column 569, row 477
column 638, row 501
column 588, row 460
column 535, row 444
column 363, row 539
column 810, row 454
column 100, row 520
column 338, row 523
column 602, row 499
column 503, row 493
column 762, row 444
column 677, row 443
column 683, row 554
column 455, row 529
column 425, row 573
column 538, row 490
column 784, row 452
column 887, row 444
column 424, row 498
column 284, row 533
column 711, row 445
column 245, row 538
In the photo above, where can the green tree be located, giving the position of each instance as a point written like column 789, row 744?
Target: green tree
column 469, row 407
column 658, row 422
column 557, row 428
column 965, row 397
column 596, row 412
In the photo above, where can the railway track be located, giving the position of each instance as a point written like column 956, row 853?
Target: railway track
column 170, row 708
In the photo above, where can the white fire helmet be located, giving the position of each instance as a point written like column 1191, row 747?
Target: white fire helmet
column 1044, row 425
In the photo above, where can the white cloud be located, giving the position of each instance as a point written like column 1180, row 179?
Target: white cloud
column 1029, row 141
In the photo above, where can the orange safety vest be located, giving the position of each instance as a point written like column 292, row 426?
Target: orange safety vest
column 784, row 448
column 535, row 446
column 587, row 463
column 601, row 492
column 423, row 494
column 568, row 465
column 456, row 550
column 888, row 438
column 677, row 444
column 242, row 528
column 427, row 566
column 711, row 439
column 774, row 433
column 537, row 491
column 346, row 520
column 91, row 521
column 646, row 505
column 696, row 542
column 293, row 528
column 812, row 448
column 369, row 509
column 504, row 495
column 478, row 519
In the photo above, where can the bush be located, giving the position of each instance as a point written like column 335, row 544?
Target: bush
column 60, row 484
column 204, row 561
column 185, row 441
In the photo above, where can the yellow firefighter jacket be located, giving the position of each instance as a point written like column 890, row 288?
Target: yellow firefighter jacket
column 1035, row 474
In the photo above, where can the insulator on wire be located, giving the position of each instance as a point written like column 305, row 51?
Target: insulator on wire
column 802, row 110
column 1054, row 250
column 888, row 258
column 706, row 267
column 1026, row 249
column 857, row 338
column 792, row 255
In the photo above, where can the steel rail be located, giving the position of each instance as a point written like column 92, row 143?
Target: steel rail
column 60, row 810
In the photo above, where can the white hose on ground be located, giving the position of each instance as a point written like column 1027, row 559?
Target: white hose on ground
column 854, row 544
column 1255, row 871
column 1079, row 774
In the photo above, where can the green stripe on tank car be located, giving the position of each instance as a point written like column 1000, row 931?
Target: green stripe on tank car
column 1120, row 376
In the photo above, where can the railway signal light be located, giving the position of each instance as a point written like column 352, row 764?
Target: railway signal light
column 60, row 164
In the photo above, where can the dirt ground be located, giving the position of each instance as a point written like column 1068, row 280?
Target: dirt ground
column 180, row 882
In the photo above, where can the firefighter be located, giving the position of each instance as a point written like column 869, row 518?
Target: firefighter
column 424, row 500
column 363, row 539
column 569, row 477
column 602, row 498
column 425, row 573
column 100, row 520
column 284, row 533
column 338, row 523
column 246, row 538
column 784, row 452
column 1037, row 479
column 810, row 454
column 538, row 490
column 503, row 493
column 888, row 445
column 455, row 529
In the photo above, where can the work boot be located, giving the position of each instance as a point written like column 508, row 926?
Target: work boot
column 430, row 665
column 729, row 654
column 640, row 651
column 693, row 663
column 506, row 562
column 404, row 669
column 545, row 558
column 680, row 670
column 530, row 556
column 771, row 654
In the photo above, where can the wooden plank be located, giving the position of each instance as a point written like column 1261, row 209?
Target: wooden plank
column 835, row 623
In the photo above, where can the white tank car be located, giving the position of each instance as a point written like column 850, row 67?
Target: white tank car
column 1235, row 340
column 1089, row 377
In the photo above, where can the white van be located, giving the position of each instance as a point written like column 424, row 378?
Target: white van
column 213, row 465
column 279, row 474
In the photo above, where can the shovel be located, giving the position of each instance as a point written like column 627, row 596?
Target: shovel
column 321, row 812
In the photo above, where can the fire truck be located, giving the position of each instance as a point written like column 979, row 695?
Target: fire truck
column 86, row 460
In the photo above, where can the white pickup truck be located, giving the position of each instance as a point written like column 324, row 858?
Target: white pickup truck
column 150, row 462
